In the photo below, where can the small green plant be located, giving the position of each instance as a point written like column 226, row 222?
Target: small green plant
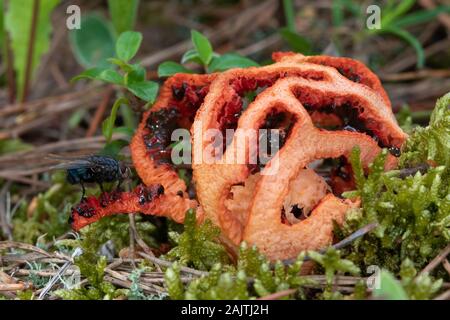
column 204, row 55
column 130, row 77
column 49, row 216
column 413, row 212
column 252, row 277
column 296, row 42
column 410, row 286
column 97, row 288
column 28, row 26
column 332, row 263
column 432, row 142
column 198, row 245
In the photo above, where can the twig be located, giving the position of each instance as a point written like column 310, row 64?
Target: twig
column 341, row 244
column 443, row 296
column 402, row 63
column 260, row 45
column 446, row 265
column 125, row 279
column 141, row 241
column 132, row 232
column 61, row 271
column 357, row 234
column 245, row 20
column 101, row 109
column 23, row 246
column 127, row 284
column 278, row 295
column 4, row 223
column 443, row 18
column 415, row 75
column 14, row 287
column 166, row 263
column 436, row 261
column 12, row 177
column 406, row 172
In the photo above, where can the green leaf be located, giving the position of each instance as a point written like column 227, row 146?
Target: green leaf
column 230, row 60
column 111, row 76
column 391, row 15
column 410, row 39
column 145, row 90
column 128, row 44
column 92, row 73
column 136, row 74
column 76, row 118
column 203, row 47
column 2, row 27
column 93, row 43
column 129, row 132
column 13, row 145
column 122, row 64
column 169, row 68
column 390, row 288
column 420, row 16
column 102, row 74
column 113, row 148
column 18, row 20
column 123, row 14
column 289, row 14
column 108, row 123
column 297, row 42
column 191, row 56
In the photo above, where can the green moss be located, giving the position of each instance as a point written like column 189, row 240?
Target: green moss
column 433, row 141
column 97, row 288
column 413, row 212
column 50, row 215
column 252, row 277
column 198, row 245
column 332, row 263
column 418, row 287
column 413, row 215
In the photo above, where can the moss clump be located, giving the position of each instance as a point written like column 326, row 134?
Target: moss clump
column 413, row 212
column 432, row 142
column 198, row 245
column 413, row 216
column 97, row 288
column 254, row 277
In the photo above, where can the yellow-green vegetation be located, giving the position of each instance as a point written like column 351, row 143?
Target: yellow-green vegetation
column 413, row 212
column 197, row 246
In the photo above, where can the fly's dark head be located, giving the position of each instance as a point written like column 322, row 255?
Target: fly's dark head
column 125, row 171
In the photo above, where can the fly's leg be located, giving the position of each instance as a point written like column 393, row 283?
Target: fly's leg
column 101, row 187
column 83, row 190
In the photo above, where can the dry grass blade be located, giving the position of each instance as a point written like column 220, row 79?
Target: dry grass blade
column 23, row 246
column 436, row 261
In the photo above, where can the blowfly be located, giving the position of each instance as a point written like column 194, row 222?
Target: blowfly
column 93, row 169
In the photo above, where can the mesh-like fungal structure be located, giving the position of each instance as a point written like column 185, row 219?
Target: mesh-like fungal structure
column 322, row 107
column 148, row 200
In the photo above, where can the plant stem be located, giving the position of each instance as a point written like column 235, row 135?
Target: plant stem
column 10, row 69
column 288, row 8
column 29, row 62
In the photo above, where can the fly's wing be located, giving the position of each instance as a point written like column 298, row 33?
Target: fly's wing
column 66, row 163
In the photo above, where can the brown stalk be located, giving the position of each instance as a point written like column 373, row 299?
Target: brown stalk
column 436, row 261
column 101, row 109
